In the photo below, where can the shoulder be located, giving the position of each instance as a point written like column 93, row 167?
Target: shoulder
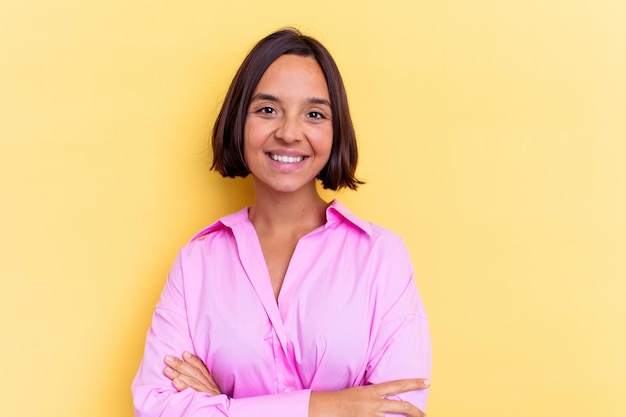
column 382, row 258
column 226, row 222
column 337, row 212
column 215, row 239
column 381, row 240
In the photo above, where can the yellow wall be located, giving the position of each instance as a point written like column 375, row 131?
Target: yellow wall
column 493, row 138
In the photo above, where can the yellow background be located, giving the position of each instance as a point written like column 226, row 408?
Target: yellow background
column 492, row 137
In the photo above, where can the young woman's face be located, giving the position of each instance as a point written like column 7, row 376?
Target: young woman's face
column 288, row 132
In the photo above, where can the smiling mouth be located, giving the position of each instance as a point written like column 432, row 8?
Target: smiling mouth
column 286, row 159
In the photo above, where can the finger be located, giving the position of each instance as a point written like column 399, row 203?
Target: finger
column 193, row 359
column 171, row 373
column 190, row 376
column 174, row 376
column 179, row 385
column 182, row 381
column 403, row 408
column 184, row 367
column 173, row 361
column 402, row 385
column 201, row 367
column 197, row 363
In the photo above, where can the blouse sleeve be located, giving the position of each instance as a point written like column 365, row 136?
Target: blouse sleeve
column 153, row 393
column 401, row 345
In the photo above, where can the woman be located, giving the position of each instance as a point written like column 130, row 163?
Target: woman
column 293, row 306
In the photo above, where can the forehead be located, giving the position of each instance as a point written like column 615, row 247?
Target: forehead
column 294, row 74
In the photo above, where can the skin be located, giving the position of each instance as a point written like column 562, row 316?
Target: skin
column 290, row 116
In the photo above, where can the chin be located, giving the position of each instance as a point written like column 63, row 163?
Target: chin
column 289, row 187
column 286, row 189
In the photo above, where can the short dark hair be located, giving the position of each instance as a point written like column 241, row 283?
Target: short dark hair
column 228, row 131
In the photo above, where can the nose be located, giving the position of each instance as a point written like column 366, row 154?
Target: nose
column 290, row 129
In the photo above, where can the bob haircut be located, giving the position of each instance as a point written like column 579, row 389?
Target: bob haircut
column 228, row 131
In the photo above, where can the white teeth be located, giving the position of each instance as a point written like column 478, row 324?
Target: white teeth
column 286, row 159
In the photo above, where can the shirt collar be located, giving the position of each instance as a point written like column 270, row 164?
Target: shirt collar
column 336, row 212
column 227, row 221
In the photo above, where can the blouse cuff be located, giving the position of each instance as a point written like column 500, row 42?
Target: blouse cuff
column 292, row 404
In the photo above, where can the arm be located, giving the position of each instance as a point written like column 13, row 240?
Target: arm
column 400, row 349
column 401, row 342
column 153, row 392
column 400, row 357
column 190, row 372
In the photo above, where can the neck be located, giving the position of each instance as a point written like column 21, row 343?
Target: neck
column 300, row 211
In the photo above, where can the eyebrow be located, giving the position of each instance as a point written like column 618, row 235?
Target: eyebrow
column 315, row 100
column 269, row 97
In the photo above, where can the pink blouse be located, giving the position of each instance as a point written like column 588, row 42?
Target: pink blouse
column 348, row 314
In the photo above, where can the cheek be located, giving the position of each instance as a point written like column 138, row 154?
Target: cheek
column 250, row 137
column 248, row 145
column 325, row 141
column 255, row 132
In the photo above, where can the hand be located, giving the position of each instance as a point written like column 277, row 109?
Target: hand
column 190, row 372
column 367, row 401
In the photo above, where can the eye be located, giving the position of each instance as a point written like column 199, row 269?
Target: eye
column 316, row 115
column 266, row 110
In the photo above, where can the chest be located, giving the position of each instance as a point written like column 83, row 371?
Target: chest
column 316, row 334
column 277, row 252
